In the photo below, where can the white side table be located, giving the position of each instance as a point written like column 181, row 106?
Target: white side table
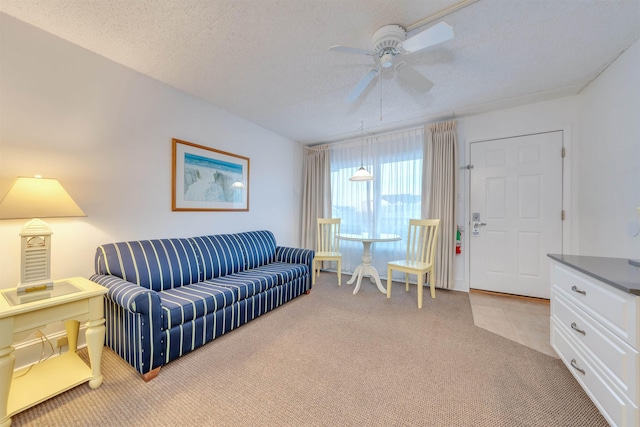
column 73, row 301
column 366, row 269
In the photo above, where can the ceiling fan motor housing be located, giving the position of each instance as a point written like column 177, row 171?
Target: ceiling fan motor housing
column 385, row 42
column 389, row 36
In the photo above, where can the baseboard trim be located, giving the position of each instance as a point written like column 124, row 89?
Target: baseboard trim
column 520, row 297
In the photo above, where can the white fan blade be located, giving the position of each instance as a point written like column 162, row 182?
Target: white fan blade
column 347, row 49
column 362, row 85
column 431, row 36
column 413, row 78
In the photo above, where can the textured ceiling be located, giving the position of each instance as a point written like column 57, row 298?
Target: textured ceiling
column 268, row 60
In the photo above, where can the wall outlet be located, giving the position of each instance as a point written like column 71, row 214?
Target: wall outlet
column 62, row 341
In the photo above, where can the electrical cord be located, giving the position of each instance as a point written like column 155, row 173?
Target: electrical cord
column 43, row 338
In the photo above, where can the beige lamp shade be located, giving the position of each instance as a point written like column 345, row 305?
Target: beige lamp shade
column 38, row 198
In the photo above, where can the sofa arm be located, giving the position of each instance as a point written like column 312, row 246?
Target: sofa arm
column 296, row 256
column 131, row 297
column 133, row 317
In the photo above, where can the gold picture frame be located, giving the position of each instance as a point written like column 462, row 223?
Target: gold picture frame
column 206, row 179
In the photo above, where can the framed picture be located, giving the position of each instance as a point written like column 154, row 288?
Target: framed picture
column 205, row 179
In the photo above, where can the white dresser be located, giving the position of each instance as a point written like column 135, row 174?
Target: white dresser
column 595, row 329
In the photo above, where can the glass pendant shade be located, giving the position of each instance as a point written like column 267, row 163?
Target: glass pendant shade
column 361, row 175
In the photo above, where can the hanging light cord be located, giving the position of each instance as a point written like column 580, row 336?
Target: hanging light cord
column 361, row 143
column 380, row 95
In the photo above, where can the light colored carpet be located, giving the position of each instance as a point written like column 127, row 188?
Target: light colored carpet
column 336, row 359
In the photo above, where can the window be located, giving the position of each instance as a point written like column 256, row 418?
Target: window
column 383, row 205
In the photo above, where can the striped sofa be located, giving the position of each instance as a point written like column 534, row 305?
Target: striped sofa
column 168, row 297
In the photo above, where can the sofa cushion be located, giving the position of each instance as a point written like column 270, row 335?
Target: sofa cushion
column 259, row 247
column 282, row 272
column 154, row 264
column 219, row 255
column 245, row 284
column 187, row 303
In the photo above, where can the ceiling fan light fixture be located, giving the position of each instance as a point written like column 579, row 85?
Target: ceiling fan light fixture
column 386, row 60
column 391, row 41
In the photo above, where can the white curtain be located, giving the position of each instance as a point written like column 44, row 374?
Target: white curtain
column 383, row 205
column 441, row 148
column 316, row 197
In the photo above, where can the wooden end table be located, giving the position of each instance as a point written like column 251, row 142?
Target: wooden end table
column 73, row 301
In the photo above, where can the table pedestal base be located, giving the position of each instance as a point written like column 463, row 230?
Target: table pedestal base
column 366, row 269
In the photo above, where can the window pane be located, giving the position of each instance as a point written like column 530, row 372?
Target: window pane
column 383, row 205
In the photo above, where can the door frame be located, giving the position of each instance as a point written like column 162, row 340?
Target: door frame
column 568, row 203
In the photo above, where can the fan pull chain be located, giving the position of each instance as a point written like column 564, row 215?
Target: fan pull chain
column 380, row 95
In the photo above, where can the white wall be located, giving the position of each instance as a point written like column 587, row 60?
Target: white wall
column 602, row 167
column 560, row 114
column 105, row 132
column 609, row 160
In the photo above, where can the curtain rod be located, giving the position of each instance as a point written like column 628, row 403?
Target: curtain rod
column 373, row 135
column 367, row 135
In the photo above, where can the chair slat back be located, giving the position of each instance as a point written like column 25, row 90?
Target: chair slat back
column 422, row 239
column 328, row 230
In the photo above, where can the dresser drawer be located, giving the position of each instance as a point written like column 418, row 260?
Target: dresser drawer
column 616, row 358
column 615, row 407
column 616, row 309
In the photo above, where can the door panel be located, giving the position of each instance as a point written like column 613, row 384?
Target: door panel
column 516, row 187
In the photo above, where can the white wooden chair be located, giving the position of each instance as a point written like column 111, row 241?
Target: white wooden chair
column 327, row 246
column 421, row 248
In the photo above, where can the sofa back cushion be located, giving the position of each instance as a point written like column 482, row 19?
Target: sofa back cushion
column 219, row 255
column 259, row 247
column 154, row 264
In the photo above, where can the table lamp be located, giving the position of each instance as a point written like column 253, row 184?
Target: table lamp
column 36, row 198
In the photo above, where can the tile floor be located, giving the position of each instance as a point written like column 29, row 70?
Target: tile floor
column 525, row 321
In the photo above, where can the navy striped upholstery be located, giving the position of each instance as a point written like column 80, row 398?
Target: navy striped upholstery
column 168, row 297
column 296, row 256
column 133, row 323
column 187, row 303
column 184, row 304
column 153, row 264
column 219, row 255
column 259, row 247
column 191, row 335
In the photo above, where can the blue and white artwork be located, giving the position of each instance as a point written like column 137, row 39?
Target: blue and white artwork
column 211, row 180
column 206, row 179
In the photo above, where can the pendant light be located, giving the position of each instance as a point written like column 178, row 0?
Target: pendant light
column 362, row 174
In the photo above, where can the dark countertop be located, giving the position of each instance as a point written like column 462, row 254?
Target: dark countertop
column 616, row 272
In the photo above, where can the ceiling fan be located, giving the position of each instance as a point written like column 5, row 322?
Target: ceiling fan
column 388, row 43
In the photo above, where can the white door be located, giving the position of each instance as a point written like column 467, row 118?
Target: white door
column 516, row 208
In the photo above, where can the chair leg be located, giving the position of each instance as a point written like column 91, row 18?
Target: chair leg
column 389, row 282
column 406, row 281
column 420, row 290
column 433, row 286
column 339, row 274
column 313, row 273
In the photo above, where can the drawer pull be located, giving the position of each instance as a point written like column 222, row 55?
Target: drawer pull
column 574, row 288
column 578, row 330
column 575, row 366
